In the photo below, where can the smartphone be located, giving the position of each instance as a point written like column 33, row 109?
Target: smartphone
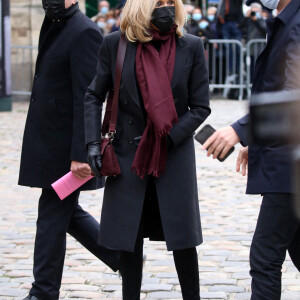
column 204, row 133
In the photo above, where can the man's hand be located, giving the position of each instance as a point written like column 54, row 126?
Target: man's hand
column 242, row 160
column 94, row 157
column 221, row 142
column 80, row 170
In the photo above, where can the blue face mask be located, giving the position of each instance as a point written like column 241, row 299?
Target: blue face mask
column 203, row 24
column 197, row 17
column 104, row 10
column 111, row 21
column 258, row 15
column 211, row 18
column 101, row 24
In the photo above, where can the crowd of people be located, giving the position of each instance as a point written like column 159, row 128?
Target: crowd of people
column 229, row 20
column 240, row 21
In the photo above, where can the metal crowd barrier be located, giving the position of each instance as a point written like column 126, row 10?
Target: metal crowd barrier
column 229, row 63
column 225, row 65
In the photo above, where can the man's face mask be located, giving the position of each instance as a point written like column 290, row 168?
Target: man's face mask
column 163, row 18
column 54, row 9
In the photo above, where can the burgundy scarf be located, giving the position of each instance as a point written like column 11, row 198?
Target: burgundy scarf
column 154, row 72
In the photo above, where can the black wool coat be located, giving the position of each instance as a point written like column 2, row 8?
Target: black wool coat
column 54, row 131
column 176, row 189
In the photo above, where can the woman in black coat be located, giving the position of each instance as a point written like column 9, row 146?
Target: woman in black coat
column 164, row 97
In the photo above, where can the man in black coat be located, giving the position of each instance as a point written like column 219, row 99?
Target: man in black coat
column 278, row 230
column 54, row 141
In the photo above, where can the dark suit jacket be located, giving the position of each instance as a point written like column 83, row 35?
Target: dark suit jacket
column 177, row 187
column 54, row 131
column 277, row 68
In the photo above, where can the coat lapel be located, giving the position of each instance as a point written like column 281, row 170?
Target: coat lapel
column 179, row 63
column 261, row 59
column 48, row 34
column 129, row 73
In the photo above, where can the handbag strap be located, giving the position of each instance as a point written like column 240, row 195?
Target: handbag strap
column 119, row 66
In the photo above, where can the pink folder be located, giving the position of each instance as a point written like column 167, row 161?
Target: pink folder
column 67, row 184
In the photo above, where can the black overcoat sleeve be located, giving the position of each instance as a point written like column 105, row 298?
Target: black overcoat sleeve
column 83, row 62
column 96, row 94
column 241, row 127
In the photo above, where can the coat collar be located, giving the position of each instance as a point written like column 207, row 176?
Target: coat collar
column 48, row 33
column 179, row 62
column 129, row 67
column 50, row 30
column 71, row 10
column 289, row 11
column 129, row 74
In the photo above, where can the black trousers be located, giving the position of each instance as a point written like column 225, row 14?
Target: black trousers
column 186, row 263
column 55, row 218
column 186, row 260
column 277, row 231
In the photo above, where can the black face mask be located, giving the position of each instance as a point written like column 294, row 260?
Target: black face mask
column 163, row 18
column 54, row 9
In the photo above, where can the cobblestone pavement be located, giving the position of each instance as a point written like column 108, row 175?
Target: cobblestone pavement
column 228, row 219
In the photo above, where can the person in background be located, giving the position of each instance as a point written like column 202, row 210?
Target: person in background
column 265, row 14
column 231, row 19
column 101, row 23
column 269, row 166
column 110, row 20
column 213, row 21
column 53, row 142
column 189, row 8
column 121, row 3
column 255, row 29
column 205, row 31
column 103, row 7
column 164, row 97
column 116, row 26
column 193, row 25
column 213, row 50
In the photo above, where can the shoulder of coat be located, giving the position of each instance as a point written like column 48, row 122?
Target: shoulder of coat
column 83, row 23
column 113, row 38
column 191, row 39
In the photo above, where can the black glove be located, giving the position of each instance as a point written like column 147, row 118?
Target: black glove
column 94, row 157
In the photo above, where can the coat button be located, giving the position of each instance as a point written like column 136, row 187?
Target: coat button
column 130, row 141
column 175, row 100
column 131, row 120
column 32, row 99
column 36, row 76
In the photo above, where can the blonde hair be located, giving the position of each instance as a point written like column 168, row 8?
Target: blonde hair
column 136, row 17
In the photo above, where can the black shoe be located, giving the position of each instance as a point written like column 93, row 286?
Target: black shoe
column 31, row 297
